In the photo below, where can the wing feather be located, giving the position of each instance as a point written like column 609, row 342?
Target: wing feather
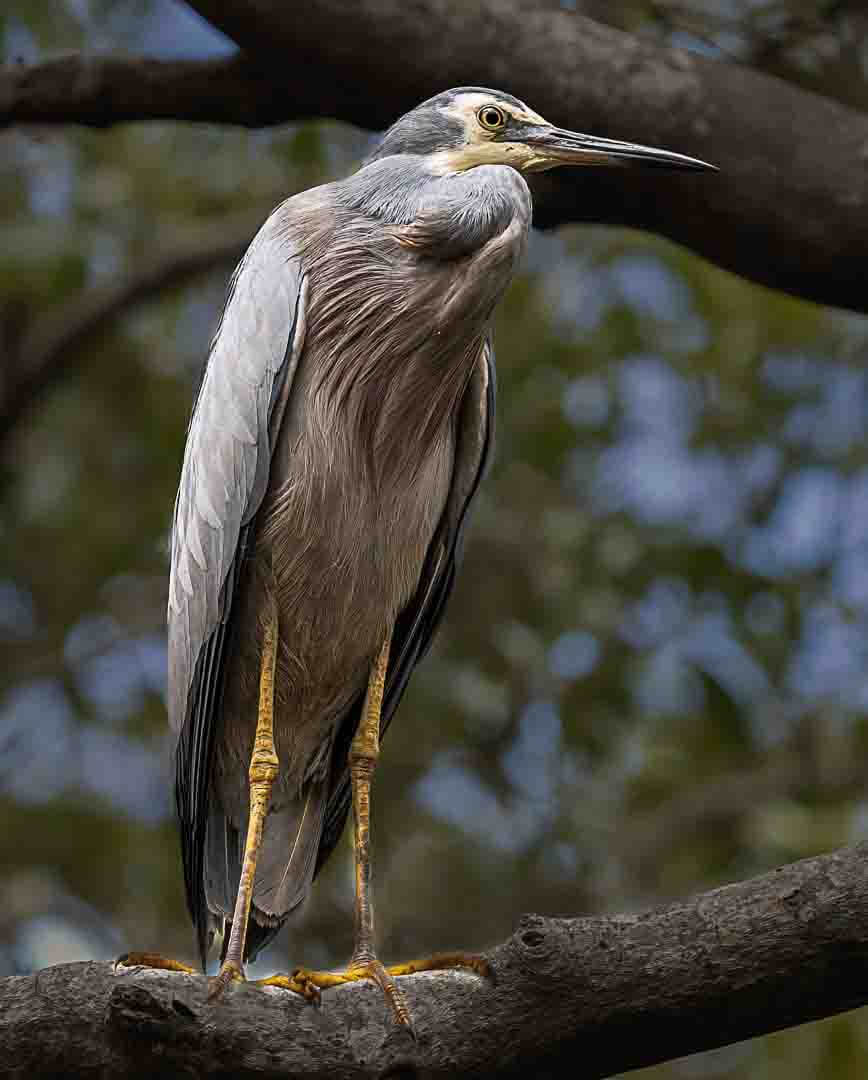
column 230, row 439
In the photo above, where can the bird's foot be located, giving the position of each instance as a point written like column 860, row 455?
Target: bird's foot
column 153, row 960
column 310, row 983
column 229, row 972
column 301, row 981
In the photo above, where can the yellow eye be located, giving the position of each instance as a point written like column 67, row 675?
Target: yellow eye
column 491, row 118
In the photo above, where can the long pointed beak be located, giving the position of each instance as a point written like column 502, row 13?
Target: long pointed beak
column 556, row 146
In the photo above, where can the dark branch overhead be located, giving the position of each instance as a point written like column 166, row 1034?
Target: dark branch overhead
column 789, row 208
column 98, row 91
column 613, row 993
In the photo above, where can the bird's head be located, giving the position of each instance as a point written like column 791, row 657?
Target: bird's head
column 469, row 126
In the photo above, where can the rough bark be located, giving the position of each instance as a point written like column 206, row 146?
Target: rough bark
column 599, row 995
column 788, row 208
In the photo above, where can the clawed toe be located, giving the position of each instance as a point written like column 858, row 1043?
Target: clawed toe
column 306, row 985
column 297, row 982
column 446, row 961
column 153, row 960
column 310, row 984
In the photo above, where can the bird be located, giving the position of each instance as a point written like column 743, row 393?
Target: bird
column 339, row 436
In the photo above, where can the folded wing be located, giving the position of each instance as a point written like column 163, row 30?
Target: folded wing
column 230, row 440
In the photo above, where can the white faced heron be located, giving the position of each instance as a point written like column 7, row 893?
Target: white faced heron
column 337, row 442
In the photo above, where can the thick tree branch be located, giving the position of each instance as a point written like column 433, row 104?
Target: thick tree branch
column 789, row 208
column 612, row 993
column 47, row 353
column 102, row 90
column 793, row 181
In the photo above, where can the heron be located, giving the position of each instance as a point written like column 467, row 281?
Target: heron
column 341, row 429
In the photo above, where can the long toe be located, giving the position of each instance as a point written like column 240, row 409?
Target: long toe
column 446, row 961
column 153, row 960
column 373, row 969
column 310, row 985
column 298, row 982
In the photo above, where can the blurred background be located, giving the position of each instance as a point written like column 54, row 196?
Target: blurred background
column 652, row 677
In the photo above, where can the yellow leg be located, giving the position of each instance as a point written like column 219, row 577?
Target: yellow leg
column 263, row 770
column 364, row 751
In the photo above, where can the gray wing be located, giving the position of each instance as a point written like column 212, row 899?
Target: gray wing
column 224, row 476
column 417, row 624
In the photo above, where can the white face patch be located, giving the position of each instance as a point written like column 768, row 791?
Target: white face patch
column 484, row 147
column 518, row 155
column 466, row 106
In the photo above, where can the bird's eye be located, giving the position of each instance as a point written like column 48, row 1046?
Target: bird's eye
column 491, row 118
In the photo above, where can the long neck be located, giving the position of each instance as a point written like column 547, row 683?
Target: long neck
column 392, row 190
column 398, row 311
column 389, row 370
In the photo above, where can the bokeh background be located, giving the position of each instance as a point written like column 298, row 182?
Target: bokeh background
column 652, row 678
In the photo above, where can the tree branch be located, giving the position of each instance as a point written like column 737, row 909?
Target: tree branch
column 793, row 181
column 789, row 208
column 47, row 353
column 103, row 90
column 613, row 993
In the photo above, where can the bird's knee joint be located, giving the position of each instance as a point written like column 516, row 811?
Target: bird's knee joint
column 263, row 770
column 363, row 758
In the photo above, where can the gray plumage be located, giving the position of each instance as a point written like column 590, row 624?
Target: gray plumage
column 338, row 435
column 338, row 438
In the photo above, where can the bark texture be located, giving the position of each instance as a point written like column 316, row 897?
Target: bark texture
column 789, row 208
column 601, row 995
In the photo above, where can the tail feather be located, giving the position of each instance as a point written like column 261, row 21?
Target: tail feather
column 224, row 852
column 287, row 857
column 257, row 938
column 284, row 869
